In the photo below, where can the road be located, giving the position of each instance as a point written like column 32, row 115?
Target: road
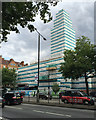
column 42, row 111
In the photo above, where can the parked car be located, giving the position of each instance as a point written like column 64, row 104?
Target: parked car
column 2, row 102
column 76, row 96
column 12, row 98
column 21, row 95
column 45, row 96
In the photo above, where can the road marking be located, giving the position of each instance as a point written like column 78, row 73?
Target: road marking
column 38, row 111
column 52, row 113
column 58, row 114
column 13, row 107
column 64, row 108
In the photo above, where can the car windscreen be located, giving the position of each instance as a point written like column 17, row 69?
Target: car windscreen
column 83, row 93
column 17, row 94
column 9, row 95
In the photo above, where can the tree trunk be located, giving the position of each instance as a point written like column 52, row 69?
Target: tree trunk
column 87, row 88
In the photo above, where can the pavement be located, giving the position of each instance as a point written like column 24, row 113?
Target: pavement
column 58, row 103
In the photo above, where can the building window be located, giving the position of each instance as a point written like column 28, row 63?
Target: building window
column 12, row 64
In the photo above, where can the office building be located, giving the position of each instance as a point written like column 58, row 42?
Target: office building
column 62, row 38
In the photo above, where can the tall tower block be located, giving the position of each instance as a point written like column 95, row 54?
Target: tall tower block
column 62, row 34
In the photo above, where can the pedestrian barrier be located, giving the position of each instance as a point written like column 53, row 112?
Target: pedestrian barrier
column 56, row 102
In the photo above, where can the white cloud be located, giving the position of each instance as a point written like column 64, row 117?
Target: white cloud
column 23, row 46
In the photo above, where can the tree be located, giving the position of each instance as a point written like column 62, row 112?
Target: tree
column 55, row 88
column 8, row 77
column 81, row 62
column 22, row 14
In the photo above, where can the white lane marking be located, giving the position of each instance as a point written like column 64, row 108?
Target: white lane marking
column 52, row 113
column 38, row 111
column 58, row 114
column 13, row 107
column 62, row 108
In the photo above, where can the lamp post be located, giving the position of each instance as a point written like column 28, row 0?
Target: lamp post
column 38, row 61
column 48, row 85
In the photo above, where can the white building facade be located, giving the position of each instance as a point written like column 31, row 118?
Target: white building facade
column 62, row 38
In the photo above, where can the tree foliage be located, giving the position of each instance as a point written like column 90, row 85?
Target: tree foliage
column 8, row 77
column 81, row 62
column 55, row 88
column 23, row 14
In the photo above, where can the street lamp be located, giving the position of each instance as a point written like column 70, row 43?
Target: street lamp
column 48, row 85
column 38, row 61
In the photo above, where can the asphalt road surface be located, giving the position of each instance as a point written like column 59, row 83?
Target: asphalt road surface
column 42, row 111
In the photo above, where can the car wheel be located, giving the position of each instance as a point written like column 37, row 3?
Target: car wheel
column 65, row 101
column 42, row 97
column 2, row 105
column 92, row 103
column 86, row 102
column 19, row 103
column 8, row 103
column 46, row 98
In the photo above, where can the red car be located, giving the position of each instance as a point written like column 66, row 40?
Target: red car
column 76, row 96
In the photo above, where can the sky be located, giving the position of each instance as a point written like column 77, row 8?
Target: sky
column 24, row 46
